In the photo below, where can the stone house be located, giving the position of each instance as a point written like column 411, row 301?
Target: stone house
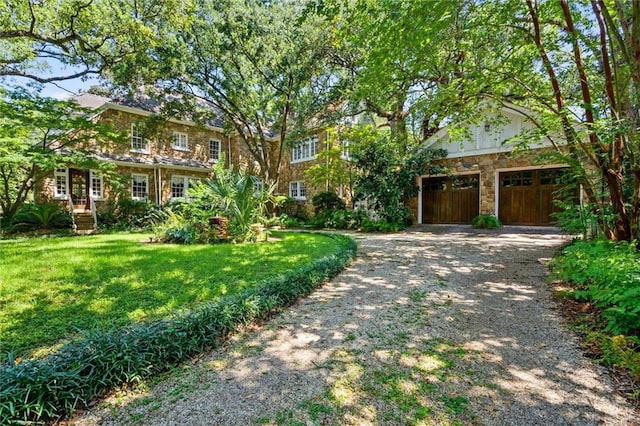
column 159, row 162
column 488, row 176
column 157, row 166
column 298, row 159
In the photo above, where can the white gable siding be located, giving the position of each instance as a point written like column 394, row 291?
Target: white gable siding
column 481, row 140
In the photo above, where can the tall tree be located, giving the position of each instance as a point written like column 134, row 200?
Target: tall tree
column 79, row 38
column 405, row 60
column 576, row 64
column 258, row 63
column 38, row 135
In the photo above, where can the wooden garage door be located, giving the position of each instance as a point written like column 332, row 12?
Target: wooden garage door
column 450, row 200
column 527, row 196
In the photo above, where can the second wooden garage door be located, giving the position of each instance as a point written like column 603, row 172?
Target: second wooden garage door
column 527, row 196
column 450, row 199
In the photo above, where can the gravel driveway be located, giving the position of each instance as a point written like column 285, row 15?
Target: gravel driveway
column 437, row 325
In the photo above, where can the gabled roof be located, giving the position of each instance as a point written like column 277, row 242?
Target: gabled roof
column 505, row 107
column 143, row 104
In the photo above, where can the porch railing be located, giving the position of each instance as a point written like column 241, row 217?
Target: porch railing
column 94, row 212
column 71, row 211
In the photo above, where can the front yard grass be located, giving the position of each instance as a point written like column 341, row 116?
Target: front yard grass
column 52, row 288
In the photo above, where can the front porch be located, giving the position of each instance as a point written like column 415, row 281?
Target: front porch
column 80, row 189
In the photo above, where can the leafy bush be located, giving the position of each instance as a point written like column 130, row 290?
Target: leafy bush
column 387, row 171
column 381, row 225
column 324, row 201
column 232, row 195
column 128, row 214
column 290, row 222
column 619, row 351
column 38, row 390
column 31, row 217
column 608, row 274
column 486, row 221
column 293, row 208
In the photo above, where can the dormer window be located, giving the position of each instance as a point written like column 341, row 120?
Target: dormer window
column 180, row 141
column 138, row 143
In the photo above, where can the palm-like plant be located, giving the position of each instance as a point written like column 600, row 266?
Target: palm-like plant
column 41, row 216
column 233, row 194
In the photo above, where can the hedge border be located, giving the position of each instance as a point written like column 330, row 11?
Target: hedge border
column 45, row 389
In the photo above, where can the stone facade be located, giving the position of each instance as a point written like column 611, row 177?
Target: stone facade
column 160, row 140
column 159, row 162
column 487, row 167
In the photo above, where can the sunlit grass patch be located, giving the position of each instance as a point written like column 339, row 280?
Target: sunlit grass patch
column 50, row 288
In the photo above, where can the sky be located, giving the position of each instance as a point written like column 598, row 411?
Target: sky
column 58, row 90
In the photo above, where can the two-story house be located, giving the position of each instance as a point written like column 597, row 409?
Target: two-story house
column 157, row 165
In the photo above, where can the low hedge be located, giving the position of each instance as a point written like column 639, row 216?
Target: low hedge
column 53, row 387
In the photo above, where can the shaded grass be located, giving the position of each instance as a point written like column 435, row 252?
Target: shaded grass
column 52, row 288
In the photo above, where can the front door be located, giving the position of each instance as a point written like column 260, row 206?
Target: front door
column 79, row 188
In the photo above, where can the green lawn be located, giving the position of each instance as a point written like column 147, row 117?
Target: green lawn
column 52, row 287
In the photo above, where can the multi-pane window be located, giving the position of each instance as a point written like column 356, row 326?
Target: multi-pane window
column 305, row 150
column 258, row 185
column 139, row 187
column 180, row 140
column 523, row 178
column 138, row 143
column 179, row 185
column 554, row 176
column 60, row 177
column 298, row 190
column 95, row 180
column 345, row 154
column 214, row 150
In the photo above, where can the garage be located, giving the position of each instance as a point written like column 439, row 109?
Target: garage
column 526, row 197
column 453, row 199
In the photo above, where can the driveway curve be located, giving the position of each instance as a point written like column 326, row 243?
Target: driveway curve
column 436, row 325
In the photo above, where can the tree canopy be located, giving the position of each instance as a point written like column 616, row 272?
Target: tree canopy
column 275, row 69
column 38, row 135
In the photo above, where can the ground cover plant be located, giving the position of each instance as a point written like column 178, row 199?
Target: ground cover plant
column 606, row 277
column 53, row 286
column 51, row 387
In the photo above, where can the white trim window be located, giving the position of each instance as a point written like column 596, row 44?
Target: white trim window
column 180, row 186
column 215, row 146
column 139, row 186
column 345, row 154
column 138, row 143
column 298, row 190
column 305, row 150
column 61, row 183
column 258, row 186
column 180, row 141
column 96, row 185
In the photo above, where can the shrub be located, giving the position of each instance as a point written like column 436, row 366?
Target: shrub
column 381, row 225
column 324, row 201
column 128, row 214
column 293, row 209
column 290, row 222
column 31, row 217
column 486, row 221
column 608, row 274
column 38, row 390
column 175, row 227
column 618, row 351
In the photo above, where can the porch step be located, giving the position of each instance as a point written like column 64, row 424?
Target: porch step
column 84, row 223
